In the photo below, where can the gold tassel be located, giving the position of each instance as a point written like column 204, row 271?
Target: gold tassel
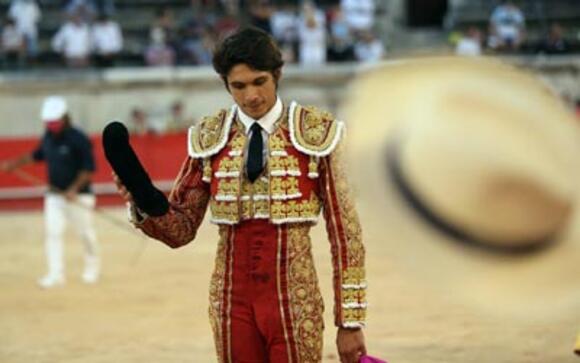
column 313, row 167
column 207, row 170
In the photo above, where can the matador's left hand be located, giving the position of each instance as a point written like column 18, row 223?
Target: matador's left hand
column 351, row 345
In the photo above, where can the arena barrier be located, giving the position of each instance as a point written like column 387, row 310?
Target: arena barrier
column 162, row 155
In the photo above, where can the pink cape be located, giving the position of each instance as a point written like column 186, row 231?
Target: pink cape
column 369, row 359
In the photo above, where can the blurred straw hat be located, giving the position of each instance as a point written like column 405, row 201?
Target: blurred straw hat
column 447, row 150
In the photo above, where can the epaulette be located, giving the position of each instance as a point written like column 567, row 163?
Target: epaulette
column 313, row 131
column 210, row 135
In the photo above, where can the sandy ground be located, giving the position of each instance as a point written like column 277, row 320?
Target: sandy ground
column 151, row 306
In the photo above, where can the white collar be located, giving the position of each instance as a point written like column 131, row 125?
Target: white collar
column 267, row 121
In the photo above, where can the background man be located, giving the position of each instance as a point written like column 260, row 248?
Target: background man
column 70, row 163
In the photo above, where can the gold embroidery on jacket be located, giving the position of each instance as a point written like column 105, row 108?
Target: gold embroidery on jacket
column 353, row 289
column 276, row 196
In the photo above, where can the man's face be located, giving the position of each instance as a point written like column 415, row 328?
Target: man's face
column 253, row 91
column 55, row 127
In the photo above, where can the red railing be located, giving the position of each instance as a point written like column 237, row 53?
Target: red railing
column 162, row 156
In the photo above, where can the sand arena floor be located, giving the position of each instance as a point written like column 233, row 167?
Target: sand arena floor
column 151, row 306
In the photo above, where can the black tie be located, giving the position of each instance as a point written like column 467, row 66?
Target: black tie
column 255, row 153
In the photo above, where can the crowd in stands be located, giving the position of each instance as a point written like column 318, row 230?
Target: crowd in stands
column 307, row 34
column 507, row 33
column 310, row 33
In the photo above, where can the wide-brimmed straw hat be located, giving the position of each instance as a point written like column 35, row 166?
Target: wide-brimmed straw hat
column 468, row 170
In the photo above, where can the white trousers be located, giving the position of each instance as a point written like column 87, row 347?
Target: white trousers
column 58, row 211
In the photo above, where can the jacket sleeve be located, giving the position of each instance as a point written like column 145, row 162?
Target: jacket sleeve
column 188, row 202
column 344, row 233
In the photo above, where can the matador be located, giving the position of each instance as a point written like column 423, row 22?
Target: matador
column 266, row 169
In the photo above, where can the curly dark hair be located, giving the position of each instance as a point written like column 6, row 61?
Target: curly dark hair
column 250, row 46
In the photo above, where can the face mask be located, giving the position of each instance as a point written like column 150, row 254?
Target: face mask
column 55, row 127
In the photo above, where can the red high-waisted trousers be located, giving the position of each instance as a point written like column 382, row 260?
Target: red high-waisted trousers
column 249, row 303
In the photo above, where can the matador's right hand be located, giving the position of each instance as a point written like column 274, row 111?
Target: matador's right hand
column 122, row 189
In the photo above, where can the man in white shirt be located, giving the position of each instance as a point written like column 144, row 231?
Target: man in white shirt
column 73, row 41
column 107, row 41
column 359, row 14
column 26, row 15
column 507, row 24
column 369, row 49
column 312, row 35
column 470, row 44
column 12, row 44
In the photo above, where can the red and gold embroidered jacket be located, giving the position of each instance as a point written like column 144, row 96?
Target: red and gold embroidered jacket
column 304, row 174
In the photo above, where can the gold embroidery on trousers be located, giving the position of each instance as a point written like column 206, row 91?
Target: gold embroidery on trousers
column 306, row 304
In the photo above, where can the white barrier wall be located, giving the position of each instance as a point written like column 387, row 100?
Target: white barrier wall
column 98, row 97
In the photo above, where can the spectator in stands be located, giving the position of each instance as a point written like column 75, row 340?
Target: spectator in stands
column 359, row 14
column 226, row 25
column 260, row 15
column 13, row 45
column 231, row 7
column 312, row 35
column 159, row 53
column 195, row 43
column 85, row 9
column 341, row 47
column 164, row 27
column 139, row 122
column 73, row 42
column 201, row 6
column 107, row 41
column 26, row 15
column 507, row 27
column 177, row 119
column 555, row 42
column 369, row 48
column 106, row 7
column 68, row 155
column 284, row 24
column 470, row 44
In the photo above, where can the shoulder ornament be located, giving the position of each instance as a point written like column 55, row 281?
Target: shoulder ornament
column 312, row 131
column 210, row 135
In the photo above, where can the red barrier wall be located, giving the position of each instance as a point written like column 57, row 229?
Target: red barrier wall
column 162, row 156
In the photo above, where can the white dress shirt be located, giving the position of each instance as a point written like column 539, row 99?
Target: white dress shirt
column 267, row 122
column 107, row 38
column 73, row 40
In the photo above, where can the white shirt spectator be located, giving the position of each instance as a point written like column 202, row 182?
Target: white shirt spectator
column 359, row 14
column 470, row 43
column 12, row 38
column 26, row 14
column 284, row 24
column 369, row 49
column 508, row 21
column 468, row 47
column 73, row 39
column 107, row 38
column 312, row 35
